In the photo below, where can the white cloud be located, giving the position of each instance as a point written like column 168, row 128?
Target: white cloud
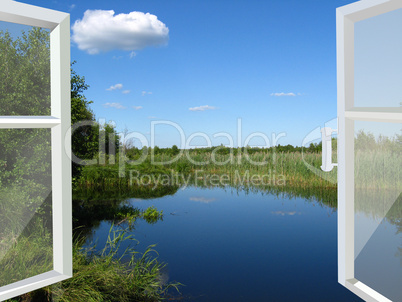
column 137, row 107
column 114, row 87
column 114, row 105
column 145, row 92
column 102, row 30
column 71, row 7
column 202, row 108
column 132, row 54
column 152, row 117
column 283, row 94
column 125, row 91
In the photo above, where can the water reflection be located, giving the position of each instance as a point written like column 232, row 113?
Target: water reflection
column 231, row 243
column 282, row 213
column 214, row 231
column 202, row 199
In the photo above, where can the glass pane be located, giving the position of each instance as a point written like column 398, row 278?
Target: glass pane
column 378, row 207
column 26, row 247
column 24, row 70
column 378, row 60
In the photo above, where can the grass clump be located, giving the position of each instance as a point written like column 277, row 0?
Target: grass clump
column 112, row 275
column 26, row 254
column 109, row 275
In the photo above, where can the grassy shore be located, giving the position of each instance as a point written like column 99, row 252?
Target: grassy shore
column 108, row 275
column 293, row 169
column 375, row 168
column 290, row 173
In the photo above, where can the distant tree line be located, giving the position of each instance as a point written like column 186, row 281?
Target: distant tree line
column 134, row 152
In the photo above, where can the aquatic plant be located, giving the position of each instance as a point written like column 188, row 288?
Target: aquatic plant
column 152, row 215
column 109, row 275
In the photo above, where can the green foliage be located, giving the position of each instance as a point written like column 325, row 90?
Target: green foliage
column 109, row 143
column 25, row 90
column 373, row 155
column 26, row 253
column 25, row 73
column 89, row 139
column 367, row 142
column 183, row 167
column 152, row 215
column 104, row 276
column 174, row 150
column 85, row 138
column 126, row 213
column 108, row 177
column 134, row 153
column 110, row 275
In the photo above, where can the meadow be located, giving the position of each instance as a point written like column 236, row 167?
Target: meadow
column 262, row 168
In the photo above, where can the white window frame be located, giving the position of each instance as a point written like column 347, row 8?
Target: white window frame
column 346, row 17
column 59, row 122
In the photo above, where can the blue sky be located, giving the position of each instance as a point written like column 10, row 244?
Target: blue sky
column 236, row 57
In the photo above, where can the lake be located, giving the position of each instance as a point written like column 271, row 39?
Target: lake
column 225, row 244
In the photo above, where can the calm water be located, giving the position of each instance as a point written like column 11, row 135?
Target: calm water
column 226, row 245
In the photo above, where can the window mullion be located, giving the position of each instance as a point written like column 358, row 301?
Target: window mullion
column 375, row 116
column 14, row 122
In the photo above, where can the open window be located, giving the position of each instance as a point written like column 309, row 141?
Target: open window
column 35, row 165
column 369, row 59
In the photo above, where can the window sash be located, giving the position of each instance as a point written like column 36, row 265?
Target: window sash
column 346, row 17
column 59, row 122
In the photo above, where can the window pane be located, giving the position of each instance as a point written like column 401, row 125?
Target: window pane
column 378, row 60
column 378, row 207
column 25, row 204
column 24, row 70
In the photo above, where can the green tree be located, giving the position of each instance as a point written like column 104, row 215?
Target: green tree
column 174, row 150
column 25, row 154
column 365, row 141
column 85, row 138
column 109, row 143
column 89, row 140
column 25, row 73
column 25, row 90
